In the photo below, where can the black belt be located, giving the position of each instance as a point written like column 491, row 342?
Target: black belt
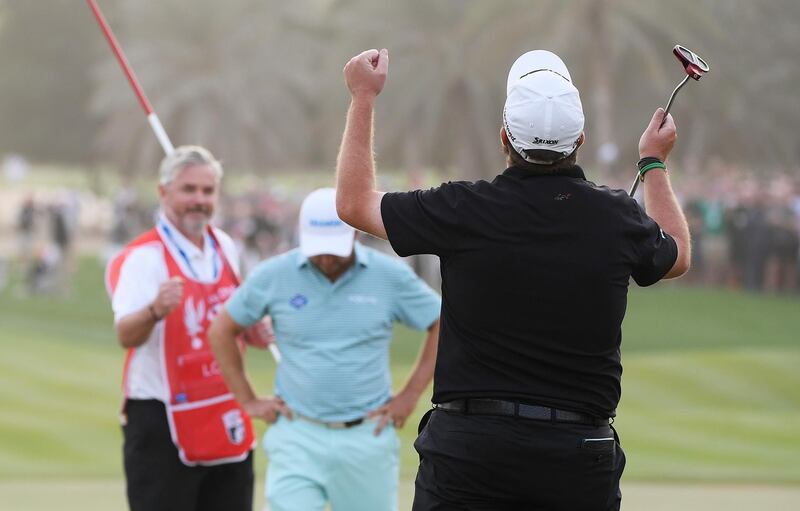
column 480, row 406
column 334, row 425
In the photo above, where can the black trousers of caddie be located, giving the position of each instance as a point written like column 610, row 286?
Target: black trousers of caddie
column 485, row 462
column 157, row 479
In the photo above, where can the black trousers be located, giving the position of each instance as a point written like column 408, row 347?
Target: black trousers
column 482, row 462
column 158, row 480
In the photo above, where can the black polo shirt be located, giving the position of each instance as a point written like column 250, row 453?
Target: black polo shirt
column 535, row 272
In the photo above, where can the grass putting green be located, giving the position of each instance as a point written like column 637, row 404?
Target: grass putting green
column 711, row 388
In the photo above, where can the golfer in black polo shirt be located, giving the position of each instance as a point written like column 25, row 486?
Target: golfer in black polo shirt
column 535, row 270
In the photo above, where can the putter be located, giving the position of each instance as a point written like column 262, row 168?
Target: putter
column 695, row 67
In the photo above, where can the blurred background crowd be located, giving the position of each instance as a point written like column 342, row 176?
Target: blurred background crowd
column 259, row 83
column 745, row 229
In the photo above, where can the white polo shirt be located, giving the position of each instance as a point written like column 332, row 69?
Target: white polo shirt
column 143, row 271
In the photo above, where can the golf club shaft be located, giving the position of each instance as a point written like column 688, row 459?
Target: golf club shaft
column 672, row 98
column 635, row 184
column 152, row 118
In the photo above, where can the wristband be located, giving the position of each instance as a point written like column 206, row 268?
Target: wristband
column 649, row 163
column 155, row 316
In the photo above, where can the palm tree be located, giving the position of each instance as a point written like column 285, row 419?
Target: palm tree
column 216, row 76
column 449, row 60
column 259, row 81
column 438, row 108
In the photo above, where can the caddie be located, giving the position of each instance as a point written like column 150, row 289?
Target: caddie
column 188, row 444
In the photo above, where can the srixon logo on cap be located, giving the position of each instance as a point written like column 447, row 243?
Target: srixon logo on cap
column 545, row 141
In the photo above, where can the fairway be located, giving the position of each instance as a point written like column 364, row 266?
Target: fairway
column 709, row 415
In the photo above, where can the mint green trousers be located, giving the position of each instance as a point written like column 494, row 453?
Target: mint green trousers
column 310, row 465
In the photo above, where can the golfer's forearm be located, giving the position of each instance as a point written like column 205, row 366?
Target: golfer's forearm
column 233, row 372
column 134, row 329
column 357, row 201
column 222, row 337
column 422, row 373
column 662, row 206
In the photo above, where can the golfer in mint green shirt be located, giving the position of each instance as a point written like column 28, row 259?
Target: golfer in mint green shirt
column 333, row 304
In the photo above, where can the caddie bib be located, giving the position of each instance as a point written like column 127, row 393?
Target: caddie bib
column 207, row 424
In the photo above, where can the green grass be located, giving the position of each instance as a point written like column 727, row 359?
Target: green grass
column 711, row 388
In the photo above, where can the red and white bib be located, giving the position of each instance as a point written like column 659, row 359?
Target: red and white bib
column 207, row 424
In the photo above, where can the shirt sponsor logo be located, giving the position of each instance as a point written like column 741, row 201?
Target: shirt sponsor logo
column 363, row 299
column 210, row 369
column 215, row 301
column 234, row 426
column 193, row 320
column 298, row 301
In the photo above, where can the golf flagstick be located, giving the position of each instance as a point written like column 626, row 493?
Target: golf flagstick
column 273, row 348
column 152, row 118
column 695, row 67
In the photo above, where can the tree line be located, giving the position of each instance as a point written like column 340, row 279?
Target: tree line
column 259, row 81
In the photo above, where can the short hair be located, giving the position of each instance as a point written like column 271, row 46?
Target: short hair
column 558, row 160
column 186, row 156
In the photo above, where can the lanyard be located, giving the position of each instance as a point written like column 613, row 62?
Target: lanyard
column 183, row 255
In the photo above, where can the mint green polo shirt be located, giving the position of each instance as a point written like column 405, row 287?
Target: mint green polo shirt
column 334, row 337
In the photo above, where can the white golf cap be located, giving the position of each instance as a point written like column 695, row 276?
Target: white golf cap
column 543, row 108
column 321, row 229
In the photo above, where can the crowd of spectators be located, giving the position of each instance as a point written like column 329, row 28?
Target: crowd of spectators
column 46, row 232
column 745, row 230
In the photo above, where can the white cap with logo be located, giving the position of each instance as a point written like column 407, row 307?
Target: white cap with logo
column 543, row 108
column 321, row 229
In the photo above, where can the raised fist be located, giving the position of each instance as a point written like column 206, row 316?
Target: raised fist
column 659, row 136
column 365, row 74
column 169, row 296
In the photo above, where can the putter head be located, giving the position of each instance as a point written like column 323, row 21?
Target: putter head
column 693, row 64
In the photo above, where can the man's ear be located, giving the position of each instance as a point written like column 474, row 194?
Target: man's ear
column 503, row 136
column 581, row 139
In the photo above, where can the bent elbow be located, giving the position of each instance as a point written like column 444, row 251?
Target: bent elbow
column 682, row 263
column 128, row 341
column 344, row 211
column 348, row 212
column 681, row 267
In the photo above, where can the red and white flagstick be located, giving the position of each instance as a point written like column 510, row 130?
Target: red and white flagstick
column 152, row 118
column 276, row 354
